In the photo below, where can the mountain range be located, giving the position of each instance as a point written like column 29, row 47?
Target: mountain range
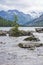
column 38, row 22
column 22, row 18
column 30, row 19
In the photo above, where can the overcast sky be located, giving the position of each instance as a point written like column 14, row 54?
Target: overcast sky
column 22, row 5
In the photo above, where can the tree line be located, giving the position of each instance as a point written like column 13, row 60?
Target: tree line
column 6, row 23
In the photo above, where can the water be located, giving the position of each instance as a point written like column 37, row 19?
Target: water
column 11, row 54
column 21, row 28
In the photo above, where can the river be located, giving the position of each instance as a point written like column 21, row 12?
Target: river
column 11, row 54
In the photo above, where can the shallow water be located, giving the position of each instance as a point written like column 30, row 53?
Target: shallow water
column 11, row 54
column 39, row 35
column 21, row 28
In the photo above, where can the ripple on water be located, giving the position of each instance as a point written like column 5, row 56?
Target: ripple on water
column 13, row 55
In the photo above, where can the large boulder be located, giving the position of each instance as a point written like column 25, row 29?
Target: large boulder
column 30, row 45
column 31, row 38
column 3, row 33
column 40, row 30
column 14, row 32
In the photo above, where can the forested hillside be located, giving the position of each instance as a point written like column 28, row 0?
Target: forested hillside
column 6, row 23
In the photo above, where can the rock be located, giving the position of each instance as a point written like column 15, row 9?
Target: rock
column 19, row 33
column 39, row 45
column 24, row 45
column 2, row 33
column 32, row 38
column 30, row 45
column 2, row 43
column 40, row 30
column 20, row 45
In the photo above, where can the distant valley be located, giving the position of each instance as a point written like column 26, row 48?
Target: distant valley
column 31, row 19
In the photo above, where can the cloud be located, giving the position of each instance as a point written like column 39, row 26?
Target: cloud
column 22, row 5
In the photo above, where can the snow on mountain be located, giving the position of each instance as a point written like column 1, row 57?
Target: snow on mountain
column 35, row 14
column 22, row 17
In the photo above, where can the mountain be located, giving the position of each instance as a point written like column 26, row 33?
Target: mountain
column 35, row 14
column 22, row 18
column 38, row 22
column 31, row 19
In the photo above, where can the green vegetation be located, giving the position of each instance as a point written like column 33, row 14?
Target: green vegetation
column 14, row 23
column 15, row 31
column 7, row 23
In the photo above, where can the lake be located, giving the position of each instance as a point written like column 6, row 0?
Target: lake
column 11, row 54
column 21, row 28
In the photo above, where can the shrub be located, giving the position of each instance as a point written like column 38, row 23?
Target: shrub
column 16, row 32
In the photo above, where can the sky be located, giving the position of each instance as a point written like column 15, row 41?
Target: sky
column 22, row 5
